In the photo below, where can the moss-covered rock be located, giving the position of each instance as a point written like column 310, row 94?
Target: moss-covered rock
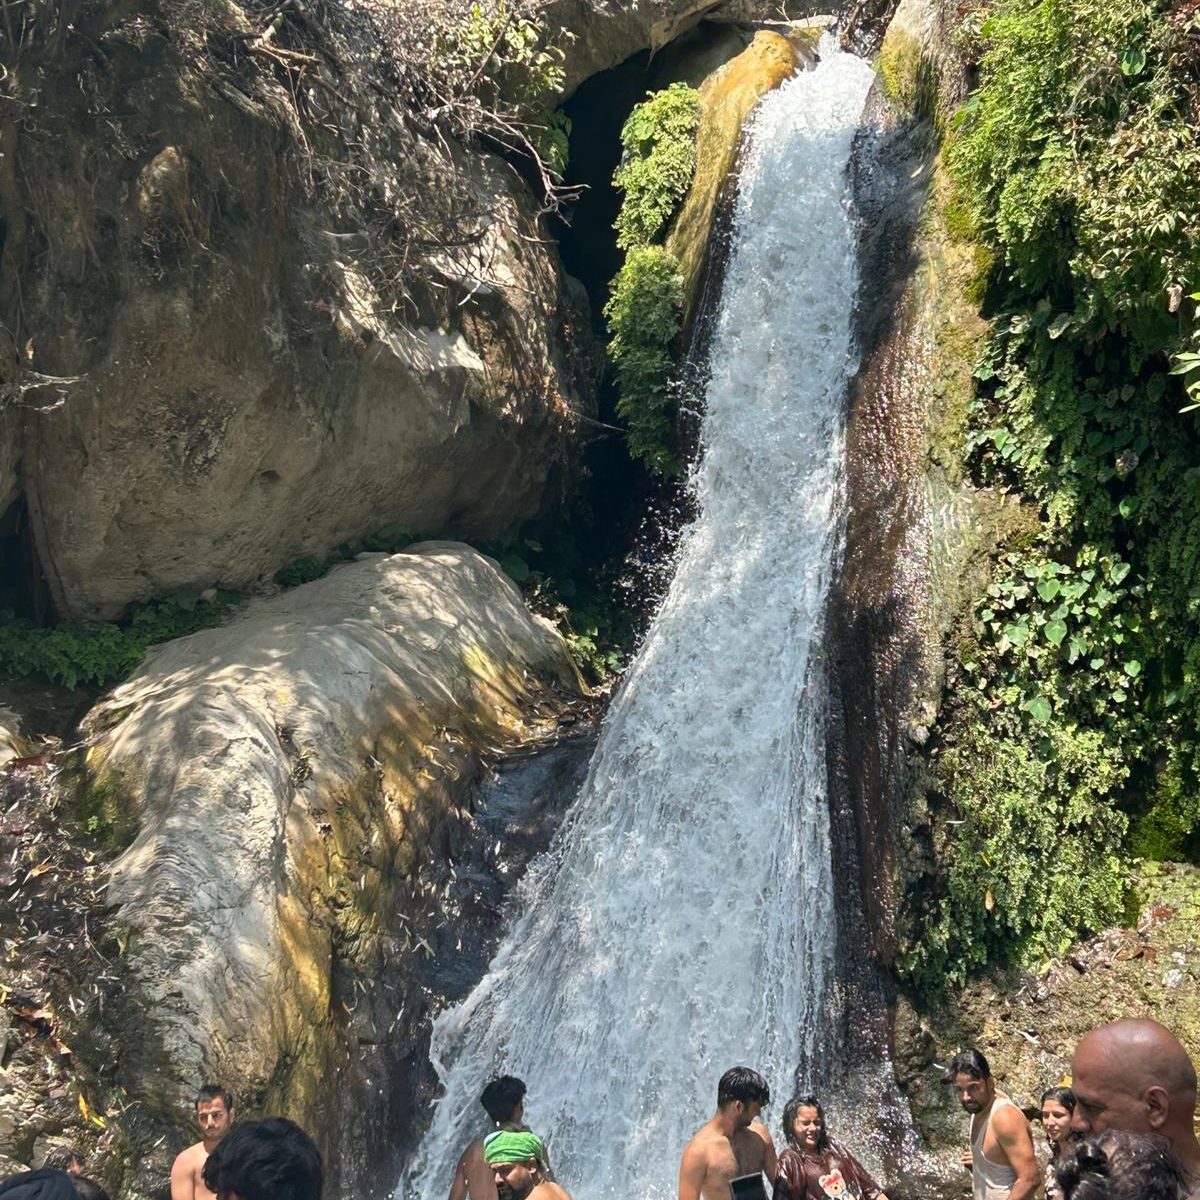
column 726, row 98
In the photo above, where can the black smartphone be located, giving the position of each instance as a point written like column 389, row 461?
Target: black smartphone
column 748, row 1187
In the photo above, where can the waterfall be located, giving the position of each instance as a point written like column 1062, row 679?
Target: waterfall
column 683, row 921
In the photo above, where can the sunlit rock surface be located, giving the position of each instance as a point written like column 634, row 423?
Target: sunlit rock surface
column 288, row 776
column 727, row 97
column 262, row 366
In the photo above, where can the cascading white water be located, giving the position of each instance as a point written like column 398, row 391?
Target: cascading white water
column 683, row 922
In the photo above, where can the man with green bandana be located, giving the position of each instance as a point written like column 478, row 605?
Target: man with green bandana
column 517, row 1158
column 504, row 1102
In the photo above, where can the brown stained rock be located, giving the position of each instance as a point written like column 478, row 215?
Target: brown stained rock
column 727, row 97
column 915, row 532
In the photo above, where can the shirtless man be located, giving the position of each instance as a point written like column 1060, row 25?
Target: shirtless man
column 517, row 1159
column 731, row 1144
column 1136, row 1075
column 214, row 1115
column 1001, row 1158
column 504, row 1101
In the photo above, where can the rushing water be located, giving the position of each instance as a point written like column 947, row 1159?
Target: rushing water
column 683, row 922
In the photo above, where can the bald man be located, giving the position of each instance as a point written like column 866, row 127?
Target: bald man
column 1134, row 1074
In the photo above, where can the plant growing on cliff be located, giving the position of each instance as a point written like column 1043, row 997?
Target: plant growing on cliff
column 69, row 655
column 646, row 304
column 643, row 321
column 658, row 160
column 1071, row 713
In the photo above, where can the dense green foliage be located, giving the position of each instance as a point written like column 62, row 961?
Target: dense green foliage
column 646, row 302
column 658, row 160
column 1070, row 739
column 643, row 320
column 71, row 655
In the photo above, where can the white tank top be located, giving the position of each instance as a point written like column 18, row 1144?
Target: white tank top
column 990, row 1180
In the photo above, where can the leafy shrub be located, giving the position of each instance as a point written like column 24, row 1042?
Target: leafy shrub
column 1036, row 844
column 643, row 320
column 1075, row 165
column 657, row 163
column 646, row 301
column 70, row 655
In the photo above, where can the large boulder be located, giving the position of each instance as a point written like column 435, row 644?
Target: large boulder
column 268, row 358
column 606, row 32
column 280, row 784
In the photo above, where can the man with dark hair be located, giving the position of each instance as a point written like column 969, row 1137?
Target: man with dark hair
column 265, row 1160
column 214, row 1115
column 504, row 1102
column 730, row 1147
column 1134, row 1074
column 1001, row 1159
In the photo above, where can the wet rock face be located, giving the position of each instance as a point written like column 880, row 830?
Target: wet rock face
column 288, row 790
column 916, row 533
column 727, row 96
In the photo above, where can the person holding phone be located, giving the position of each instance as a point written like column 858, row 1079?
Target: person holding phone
column 815, row 1167
column 730, row 1153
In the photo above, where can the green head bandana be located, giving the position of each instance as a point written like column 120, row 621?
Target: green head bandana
column 511, row 1146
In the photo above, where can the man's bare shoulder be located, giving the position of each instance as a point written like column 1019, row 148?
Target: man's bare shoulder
column 707, row 1135
column 1008, row 1118
column 191, row 1158
column 762, row 1133
column 752, row 1142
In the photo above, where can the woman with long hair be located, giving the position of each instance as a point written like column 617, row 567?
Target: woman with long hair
column 1058, row 1106
column 815, row 1167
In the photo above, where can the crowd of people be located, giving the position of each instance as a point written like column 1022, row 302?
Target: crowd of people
column 1124, row 1129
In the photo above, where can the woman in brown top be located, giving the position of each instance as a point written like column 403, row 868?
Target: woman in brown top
column 814, row 1166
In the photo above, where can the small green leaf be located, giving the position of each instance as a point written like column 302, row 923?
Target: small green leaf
column 1133, row 61
column 1056, row 631
column 1133, row 668
column 1059, row 325
column 1128, row 506
column 1048, row 589
column 1040, row 709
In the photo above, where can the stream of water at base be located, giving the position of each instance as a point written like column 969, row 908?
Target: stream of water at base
column 683, row 922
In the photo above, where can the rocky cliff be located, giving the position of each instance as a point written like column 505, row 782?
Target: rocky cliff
column 263, row 358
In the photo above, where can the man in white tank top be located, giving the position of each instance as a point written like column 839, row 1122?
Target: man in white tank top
column 1001, row 1158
